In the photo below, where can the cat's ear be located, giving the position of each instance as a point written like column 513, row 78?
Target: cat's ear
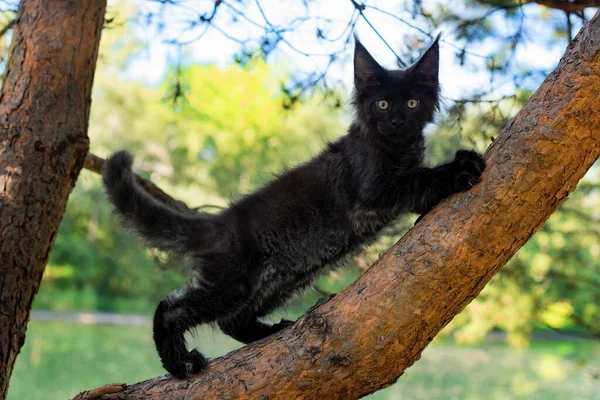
column 367, row 72
column 426, row 69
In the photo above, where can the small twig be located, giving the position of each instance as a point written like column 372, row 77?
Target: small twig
column 415, row 27
column 101, row 391
column 569, row 26
column 360, row 8
column 95, row 164
column 7, row 27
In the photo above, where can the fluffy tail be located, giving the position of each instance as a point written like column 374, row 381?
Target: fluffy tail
column 159, row 226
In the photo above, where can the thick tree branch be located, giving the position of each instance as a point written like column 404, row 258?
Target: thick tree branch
column 364, row 338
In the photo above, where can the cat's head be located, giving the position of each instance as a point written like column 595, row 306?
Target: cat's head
column 396, row 103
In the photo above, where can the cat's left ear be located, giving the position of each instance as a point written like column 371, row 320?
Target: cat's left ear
column 426, row 69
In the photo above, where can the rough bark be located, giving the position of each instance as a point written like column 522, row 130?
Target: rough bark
column 364, row 338
column 44, row 109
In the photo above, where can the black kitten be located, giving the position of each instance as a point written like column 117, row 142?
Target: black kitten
column 249, row 259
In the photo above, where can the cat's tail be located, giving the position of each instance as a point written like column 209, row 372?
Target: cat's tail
column 158, row 225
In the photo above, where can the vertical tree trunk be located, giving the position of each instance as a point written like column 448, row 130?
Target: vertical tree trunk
column 44, row 110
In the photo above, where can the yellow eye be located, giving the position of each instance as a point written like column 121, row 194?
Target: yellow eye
column 412, row 103
column 383, row 104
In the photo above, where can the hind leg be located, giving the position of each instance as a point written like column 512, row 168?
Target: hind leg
column 245, row 326
column 250, row 329
column 171, row 321
column 178, row 313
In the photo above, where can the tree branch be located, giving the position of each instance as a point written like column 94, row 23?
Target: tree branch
column 102, row 390
column 364, row 338
column 7, row 27
column 566, row 5
column 569, row 26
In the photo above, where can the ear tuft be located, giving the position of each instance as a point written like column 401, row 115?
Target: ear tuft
column 367, row 72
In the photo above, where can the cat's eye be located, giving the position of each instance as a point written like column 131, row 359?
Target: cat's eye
column 412, row 103
column 383, row 104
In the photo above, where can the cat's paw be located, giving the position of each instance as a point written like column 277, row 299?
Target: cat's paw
column 469, row 166
column 189, row 365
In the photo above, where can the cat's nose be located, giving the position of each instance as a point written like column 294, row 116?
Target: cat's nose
column 398, row 121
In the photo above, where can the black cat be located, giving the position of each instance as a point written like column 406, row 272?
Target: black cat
column 250, row 258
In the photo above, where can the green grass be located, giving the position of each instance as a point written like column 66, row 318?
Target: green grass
column 87, row 299
column 60, row 360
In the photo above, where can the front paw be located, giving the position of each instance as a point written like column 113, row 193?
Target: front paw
column 469, row 166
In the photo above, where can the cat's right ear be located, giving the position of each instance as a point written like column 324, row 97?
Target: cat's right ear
column 367, row 72
column 426, row 69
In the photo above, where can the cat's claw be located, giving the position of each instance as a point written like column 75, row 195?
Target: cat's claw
column 469, row 166
column 192, row 364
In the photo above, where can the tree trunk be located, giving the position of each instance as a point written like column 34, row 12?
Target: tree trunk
column 364, row 338
column 44, row 109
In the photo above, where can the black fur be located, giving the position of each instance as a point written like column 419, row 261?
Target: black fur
column 249, row 259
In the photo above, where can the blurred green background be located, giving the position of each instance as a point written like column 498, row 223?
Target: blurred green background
column 62, row 359
column 532, row 333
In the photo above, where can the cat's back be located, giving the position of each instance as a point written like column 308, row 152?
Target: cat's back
column 298, row 213
column 292, row 195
